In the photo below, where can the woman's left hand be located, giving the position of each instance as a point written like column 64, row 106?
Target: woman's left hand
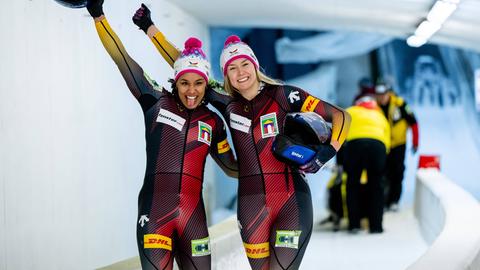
column 324, row 154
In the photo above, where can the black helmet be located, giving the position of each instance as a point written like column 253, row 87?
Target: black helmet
column 73, row 3
column 302, row 134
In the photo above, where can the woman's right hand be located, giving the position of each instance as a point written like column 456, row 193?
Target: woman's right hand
column 95, row 8
column 142, row 18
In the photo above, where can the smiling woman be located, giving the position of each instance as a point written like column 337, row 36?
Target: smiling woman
column 190, row 88
column 240, row 65
column 180, row 132
column 242, row 78
column 191, row 74
column 281, row 223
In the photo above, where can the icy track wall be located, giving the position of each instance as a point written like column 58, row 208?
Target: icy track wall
column 449, row 218
column 71, row 134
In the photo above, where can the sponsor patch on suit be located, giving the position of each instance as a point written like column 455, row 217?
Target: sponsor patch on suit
column 269, row 125
column 204, row 132
column 171, row 119
column 239, row 122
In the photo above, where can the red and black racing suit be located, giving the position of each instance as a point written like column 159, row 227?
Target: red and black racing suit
column 274, row 201
column 171, row 214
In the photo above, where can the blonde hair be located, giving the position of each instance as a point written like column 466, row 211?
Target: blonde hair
column 261, row 77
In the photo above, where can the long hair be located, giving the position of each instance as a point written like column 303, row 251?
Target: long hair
column 261, row 77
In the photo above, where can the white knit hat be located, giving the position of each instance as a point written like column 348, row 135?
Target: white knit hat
column 233, row 49
column 192, row 59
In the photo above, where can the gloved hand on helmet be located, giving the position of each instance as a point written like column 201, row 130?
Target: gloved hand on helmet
column 324, row 154
column 305, row 142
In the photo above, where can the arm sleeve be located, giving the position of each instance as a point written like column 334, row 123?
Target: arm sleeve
column 415, row 135
column 407, row 113
column 145, row 90
column 387, row 134
column 302, row 101
column 217, row 96
column 221, row 151
column 168, row 51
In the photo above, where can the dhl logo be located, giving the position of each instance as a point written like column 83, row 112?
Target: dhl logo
column 310, row 104
column 157, row 241
column 257, row 251
column 223, row 146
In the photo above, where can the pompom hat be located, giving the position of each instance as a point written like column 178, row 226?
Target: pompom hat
column 234, row 49
column 192, row 59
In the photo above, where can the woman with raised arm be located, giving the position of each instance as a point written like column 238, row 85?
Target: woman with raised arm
column 180, row 132
column 274, row 202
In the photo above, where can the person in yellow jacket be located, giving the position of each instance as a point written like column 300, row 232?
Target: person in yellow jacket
column 400, row 118
column 368, row 142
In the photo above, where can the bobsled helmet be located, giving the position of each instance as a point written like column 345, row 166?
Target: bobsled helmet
column 302, row 134
column 73, row 3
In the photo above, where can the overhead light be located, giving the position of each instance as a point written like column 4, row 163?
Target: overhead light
column 441, row 11
column 426, row 29
column 416, row 41
column 438, row 14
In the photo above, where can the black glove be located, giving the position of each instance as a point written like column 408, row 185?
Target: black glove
column 324, row 154
column 95, row 8
column 142, row 18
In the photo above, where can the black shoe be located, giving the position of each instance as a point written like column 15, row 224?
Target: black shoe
column 374, row 231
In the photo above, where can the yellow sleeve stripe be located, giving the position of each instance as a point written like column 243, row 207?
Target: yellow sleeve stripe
column 109, row 39
column 223, row 146
column 257, row 251
column 166, row 48
column 310, row 104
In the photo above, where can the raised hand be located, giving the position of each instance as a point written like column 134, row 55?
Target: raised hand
column 95, row 8
column 142, row 18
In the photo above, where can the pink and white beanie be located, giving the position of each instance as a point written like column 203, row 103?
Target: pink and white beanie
column 192, row 59
column 233, row 49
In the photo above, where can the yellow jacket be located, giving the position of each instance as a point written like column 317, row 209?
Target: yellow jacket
column 400, row 117
column 368, row 124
